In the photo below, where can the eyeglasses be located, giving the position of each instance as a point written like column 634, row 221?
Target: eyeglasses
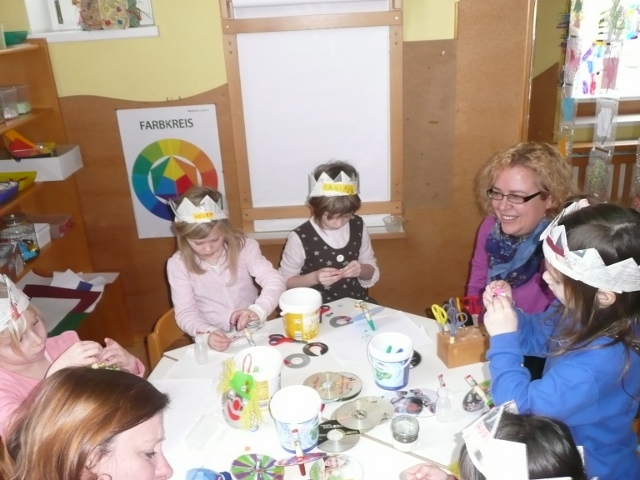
column 511, row 197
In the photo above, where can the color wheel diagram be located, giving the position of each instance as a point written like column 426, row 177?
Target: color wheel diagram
column 166, row 169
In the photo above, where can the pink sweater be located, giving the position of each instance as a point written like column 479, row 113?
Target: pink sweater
column 208, row 300
column 14, row 388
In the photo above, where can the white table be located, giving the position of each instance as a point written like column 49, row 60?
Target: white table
column 438, row 442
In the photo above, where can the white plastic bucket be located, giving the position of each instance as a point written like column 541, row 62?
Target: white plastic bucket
column 265, row 366
column 296, row 407
column 390, row 354
column 301, row 313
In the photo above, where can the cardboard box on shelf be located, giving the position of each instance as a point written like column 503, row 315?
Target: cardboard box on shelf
column 59, row 223
column 49, row 169
column 11, row 263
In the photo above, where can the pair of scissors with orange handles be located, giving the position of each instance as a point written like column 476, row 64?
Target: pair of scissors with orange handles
column 473, row 306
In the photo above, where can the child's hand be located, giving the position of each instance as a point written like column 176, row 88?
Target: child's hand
column 219, row 341
column 424, row 471
column 79, row 354
column 240, row 318
column 114, row 354
column 500, row 316
column 497, row 288
column 328, row 276
column 353, row 269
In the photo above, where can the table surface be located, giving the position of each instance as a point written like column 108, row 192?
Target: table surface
column 193, row 391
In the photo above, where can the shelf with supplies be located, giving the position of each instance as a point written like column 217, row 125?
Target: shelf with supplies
column 29, row 64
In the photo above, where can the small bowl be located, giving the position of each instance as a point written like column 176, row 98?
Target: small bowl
column 8, row 190
column 15, row 38
column 24, row 179
column 393, row 223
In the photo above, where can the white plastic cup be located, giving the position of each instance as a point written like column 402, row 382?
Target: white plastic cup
column 301, row 313
column 265, row 366
column 296, row 407
column 390, row 355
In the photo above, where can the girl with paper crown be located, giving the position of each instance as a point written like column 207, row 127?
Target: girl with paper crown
column 504, row 445
column 331, row 252
column 212, row 273
column 27, row 356
column 590, row 336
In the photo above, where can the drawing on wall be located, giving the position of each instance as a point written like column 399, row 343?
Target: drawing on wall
column 167, row 150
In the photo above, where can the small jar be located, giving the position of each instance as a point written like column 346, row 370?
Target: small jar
column 405, row 430
column 16, row 228
column 201, row 349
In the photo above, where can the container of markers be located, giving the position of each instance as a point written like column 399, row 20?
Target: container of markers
column 469, row 345
column 390, row 355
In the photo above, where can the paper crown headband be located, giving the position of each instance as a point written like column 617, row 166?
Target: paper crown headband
column 325, row 186
column 497, row 459
column 13, row 306
column 586, row 265
column 207, row 211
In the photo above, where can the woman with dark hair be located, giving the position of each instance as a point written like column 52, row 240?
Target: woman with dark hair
column 88, row 424
column 551, row 451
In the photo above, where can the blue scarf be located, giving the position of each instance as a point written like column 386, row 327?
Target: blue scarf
column 514, row 259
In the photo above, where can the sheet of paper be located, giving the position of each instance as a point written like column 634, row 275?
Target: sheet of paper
column 54, row 309
column 187, row 367
column 348, row 344
column 188, row 401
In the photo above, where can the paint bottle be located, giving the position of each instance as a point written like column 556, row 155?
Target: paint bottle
column 443, row 405
column 201, row 350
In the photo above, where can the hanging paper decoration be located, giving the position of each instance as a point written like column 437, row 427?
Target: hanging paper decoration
column 599, row 173
column 604, row 131
column 635, row 188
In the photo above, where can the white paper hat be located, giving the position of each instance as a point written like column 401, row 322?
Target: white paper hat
column 207, row 211
column 14, row 305
column 587, row 265
column 497, row 459
column 340, row 186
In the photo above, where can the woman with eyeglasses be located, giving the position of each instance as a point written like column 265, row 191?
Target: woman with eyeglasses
column 519, row 190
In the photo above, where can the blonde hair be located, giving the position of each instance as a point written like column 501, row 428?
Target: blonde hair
column 553, row 174
column 233, row 238
column 70, row 421
column 16, row 328
column 334, row 206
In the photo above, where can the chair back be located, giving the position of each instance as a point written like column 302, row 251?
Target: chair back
column 165, row 334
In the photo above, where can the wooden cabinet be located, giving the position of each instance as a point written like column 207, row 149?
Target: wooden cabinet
column 29, row 64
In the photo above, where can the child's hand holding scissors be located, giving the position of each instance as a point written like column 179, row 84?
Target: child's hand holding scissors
column 500, row 316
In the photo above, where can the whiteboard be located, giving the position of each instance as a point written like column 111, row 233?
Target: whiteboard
column 308, row 97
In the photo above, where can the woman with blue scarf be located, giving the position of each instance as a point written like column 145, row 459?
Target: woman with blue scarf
column 518, row 191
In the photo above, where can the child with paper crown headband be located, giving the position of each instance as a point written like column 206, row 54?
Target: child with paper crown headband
column 212, row 273
column 520, row 447
column 590, row 336
column 27, row 356
column 331, row 252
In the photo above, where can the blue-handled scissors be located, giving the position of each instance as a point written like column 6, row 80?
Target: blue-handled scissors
column 453, row 302
column 456, row 320
column 278, row 338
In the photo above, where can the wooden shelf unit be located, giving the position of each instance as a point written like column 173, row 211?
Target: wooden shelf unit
column 30, row 64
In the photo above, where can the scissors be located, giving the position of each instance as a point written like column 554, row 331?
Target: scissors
column 453, row 302
column 441, row 316
column 473, row 306
column 456, row 320
column 278, row 338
